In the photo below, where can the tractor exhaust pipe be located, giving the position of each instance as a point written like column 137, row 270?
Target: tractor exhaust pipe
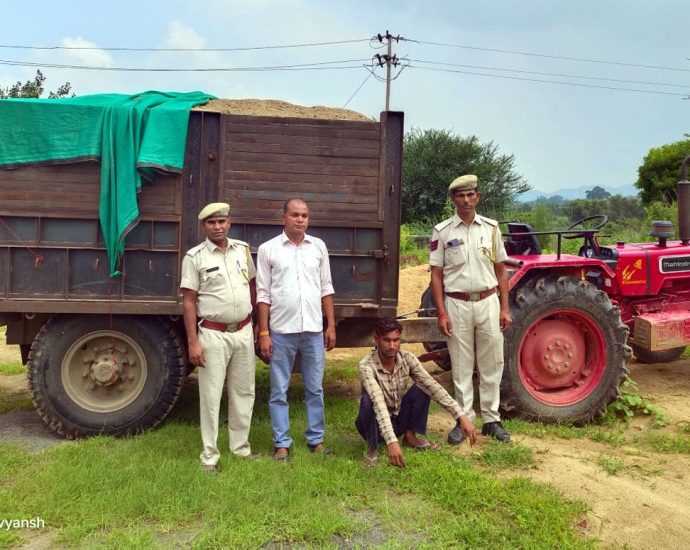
column 683, row 193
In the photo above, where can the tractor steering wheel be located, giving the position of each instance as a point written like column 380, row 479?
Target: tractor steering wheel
column 601, row 219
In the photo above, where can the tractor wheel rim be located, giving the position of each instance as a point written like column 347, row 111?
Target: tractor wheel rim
column 104, row 371
column 561, row 357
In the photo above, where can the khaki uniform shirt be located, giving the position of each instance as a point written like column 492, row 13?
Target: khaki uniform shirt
column 220, row 279
column 467, row 254
column 387, row 389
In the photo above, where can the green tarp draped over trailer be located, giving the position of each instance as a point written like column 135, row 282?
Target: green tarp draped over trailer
column 132, row 136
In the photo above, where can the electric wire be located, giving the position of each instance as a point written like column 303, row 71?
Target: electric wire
column 566, row 75
column 358, row 88
column 577, row 84
column 547, row 56
column 298, row 66
column 127, row 49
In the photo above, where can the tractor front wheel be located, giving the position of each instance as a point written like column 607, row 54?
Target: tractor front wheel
column 565, row 354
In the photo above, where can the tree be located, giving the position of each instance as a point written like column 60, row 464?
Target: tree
column 660, row 171
column 597, row 193
column 434, row 158
column 35, row 88
column 583, row 208
column 621, row 208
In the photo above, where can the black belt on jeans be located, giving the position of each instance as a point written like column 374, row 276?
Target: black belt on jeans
column 472, row 296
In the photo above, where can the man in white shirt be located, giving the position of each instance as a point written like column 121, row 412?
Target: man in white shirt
column 295, row 291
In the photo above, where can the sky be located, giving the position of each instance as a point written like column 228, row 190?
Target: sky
column 491, row 72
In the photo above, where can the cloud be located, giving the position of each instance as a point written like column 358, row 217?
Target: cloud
column 183, row 36
column 92, row 57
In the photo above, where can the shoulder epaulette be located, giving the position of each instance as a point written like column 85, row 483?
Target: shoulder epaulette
column 195, row 250
column 443, row 224
column 488, row 220
column 238, row 242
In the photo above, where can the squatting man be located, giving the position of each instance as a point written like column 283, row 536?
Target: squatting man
column 391, row 407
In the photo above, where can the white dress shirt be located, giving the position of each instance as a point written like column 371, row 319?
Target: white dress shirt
column 292, row 279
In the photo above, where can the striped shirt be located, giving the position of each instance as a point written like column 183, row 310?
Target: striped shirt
column 387, row 389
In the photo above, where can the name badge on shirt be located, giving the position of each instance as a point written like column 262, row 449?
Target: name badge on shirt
column 212, row 269
column 453, row 243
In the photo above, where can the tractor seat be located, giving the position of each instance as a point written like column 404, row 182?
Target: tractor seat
column 521, row 245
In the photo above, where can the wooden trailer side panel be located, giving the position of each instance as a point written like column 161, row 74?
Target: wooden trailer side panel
column 340, row 169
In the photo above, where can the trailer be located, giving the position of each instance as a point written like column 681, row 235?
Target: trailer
column 108, row 354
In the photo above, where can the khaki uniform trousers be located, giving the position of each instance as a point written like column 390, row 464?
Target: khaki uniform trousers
column 231, row 354
column 476, row 326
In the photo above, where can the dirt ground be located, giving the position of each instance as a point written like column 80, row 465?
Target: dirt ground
column 645, row 505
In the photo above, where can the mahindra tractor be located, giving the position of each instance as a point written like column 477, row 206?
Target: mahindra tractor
column 578, row 318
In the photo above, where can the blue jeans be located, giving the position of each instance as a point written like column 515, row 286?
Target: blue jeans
column 310, row 346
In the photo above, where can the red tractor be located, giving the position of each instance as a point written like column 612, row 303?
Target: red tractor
column 576, row 318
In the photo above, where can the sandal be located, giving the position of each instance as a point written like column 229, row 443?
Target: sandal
column 422, row 446
column 371, row 461
column 281, row 457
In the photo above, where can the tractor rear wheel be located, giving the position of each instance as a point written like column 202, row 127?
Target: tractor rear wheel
column 565, row 354
column 429, row 306
column 95, row 374
column 661, row 356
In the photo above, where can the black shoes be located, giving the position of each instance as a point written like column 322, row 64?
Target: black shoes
column 456, row 436
column 495, row 430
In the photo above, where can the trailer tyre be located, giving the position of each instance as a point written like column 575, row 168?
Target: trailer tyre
column 661, row 356
column 565, row 354
column 105, row 374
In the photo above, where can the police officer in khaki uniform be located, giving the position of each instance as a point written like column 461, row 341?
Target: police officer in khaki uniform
column 219, row 294
column 469, row 283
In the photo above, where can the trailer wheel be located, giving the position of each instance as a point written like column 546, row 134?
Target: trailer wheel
column 661, row 356
column 429, row 307
column 105, row 375
column 565, row 354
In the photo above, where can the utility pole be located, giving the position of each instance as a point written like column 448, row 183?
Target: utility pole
column 390, row 60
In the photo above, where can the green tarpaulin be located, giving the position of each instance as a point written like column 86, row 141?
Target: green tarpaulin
column 132, row 135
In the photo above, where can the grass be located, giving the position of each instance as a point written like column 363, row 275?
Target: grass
column 14, row 367
column 498, row 456
column 611, row 465
column 12, row 402
column 148, row 491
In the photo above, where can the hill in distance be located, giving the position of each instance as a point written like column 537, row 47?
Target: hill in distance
column 578, row 192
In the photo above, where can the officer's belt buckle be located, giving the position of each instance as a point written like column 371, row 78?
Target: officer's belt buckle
column 474, row 296
column 232, row 327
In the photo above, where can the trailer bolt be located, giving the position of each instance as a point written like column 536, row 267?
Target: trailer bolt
column 549, row 366
column 558, row 343
column 566, row 364
column 570, row 354
column 550, row 347
column 567, row 346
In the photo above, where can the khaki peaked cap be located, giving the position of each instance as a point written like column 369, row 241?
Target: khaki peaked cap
column 463, row 183
column 215, row 209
